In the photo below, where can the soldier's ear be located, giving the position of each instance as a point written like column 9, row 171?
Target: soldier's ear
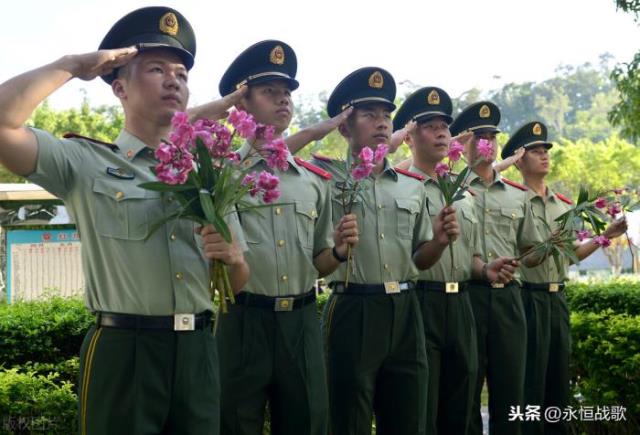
column 118, row 89
column 344, row 130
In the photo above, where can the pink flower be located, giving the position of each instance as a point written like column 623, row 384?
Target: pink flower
column 266, row 132
column 614, row 209
column 583, row 235
column 455, row 151
column 249, row 179
column 601, row 203
column 234, row 157
column 277, row 154
column 165, row 152
column 381, row 152
column 267, row 181
column 485, row 149
column 602, row 241
column 270, row 196
column 175, row 164
column 366, row 155
column 244, row 123
column 182, row 133
column 442, row 169
column 362, row 171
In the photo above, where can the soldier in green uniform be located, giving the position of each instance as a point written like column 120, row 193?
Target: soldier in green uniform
column 150, row 364
column 545, row 305
column 376, row 358
column 442, row 289
column 507, row 229
column 270, row 342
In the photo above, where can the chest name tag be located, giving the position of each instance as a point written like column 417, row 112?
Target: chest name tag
column 121, row 174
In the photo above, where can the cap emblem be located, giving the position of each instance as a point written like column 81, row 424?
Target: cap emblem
column 434, row 98
column 537, row 129
column 484, row 112
column 276, row 56
column 169, row 24
column 376, row 80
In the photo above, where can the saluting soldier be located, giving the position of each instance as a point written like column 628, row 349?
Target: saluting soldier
column 150, row 363
column 442, row 289
column 373, row 330
column 507, row 229
column 270, row 341
column 545, row 304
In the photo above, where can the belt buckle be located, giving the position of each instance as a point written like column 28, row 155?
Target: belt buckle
column 283, row 304
column 451, row 287
column 184, row 322
column 391, row 287
column 497, row 285
column 554, row 287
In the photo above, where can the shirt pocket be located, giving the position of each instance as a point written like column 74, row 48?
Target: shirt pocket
column 122, row 209
column 306, row 215
column 406, row 211
column 508, row 219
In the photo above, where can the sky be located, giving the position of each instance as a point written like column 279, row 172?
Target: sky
column 453, row 44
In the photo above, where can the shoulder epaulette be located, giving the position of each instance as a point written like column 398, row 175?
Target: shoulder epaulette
column 514, row 184
column 321, row 158
column 563, row 198
column 409, row 174
column 90, row 139
column 313, row 168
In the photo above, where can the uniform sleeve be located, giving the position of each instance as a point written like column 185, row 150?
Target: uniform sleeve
column 323, row 230
column 423, row 231
column 235, row 227
column 528, row 234
column 58, row 160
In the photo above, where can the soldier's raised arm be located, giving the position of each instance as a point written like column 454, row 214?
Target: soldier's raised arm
column 20, row 96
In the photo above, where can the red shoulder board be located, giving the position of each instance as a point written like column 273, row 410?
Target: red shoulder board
column 563, row 198
column 313, row 168
column 77, row 136
column 322, row 158
column 409, row 174
column 514, row 184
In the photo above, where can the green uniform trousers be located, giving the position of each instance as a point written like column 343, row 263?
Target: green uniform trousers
column 548, row 347
column 274, row 357
column 502, row 344
column 376, row 363
column 149, row 382
column 452, row 354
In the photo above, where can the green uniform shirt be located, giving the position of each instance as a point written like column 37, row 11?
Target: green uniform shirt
column 464, row 248
column 547, row 208
column 392, row 223
column 506, row 221
column 163, row 275
column 284, row 239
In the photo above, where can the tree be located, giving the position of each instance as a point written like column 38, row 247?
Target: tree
column 626, row 76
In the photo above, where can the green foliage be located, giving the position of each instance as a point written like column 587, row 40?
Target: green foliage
column 32, row 403
column 49, row 331
column 626, row 113
column 606, row 357
column 621, row 296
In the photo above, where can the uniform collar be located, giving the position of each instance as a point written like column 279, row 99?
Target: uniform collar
column 255, row 158
column 130, row 145
column 416, row 170
column 473, row 177
column 550, row 195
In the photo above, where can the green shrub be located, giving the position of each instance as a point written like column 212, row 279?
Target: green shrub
column 620, row 295
column 48, row 331
column 605, row 362
column 33, row 403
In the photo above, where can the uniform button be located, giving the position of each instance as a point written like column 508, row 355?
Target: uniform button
column 170, row 199
column 488, row 210
column 382, row 235
column 379, row 206
column 119, row 195
column 278, row 211
column 513, row 215
column 280, row 242
column 486, row 231
column 490, row 254
column 172, row 237
column 386, row 266
column 313, row 213
column 179, row 275
column 284, row 277
column 130, row 153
